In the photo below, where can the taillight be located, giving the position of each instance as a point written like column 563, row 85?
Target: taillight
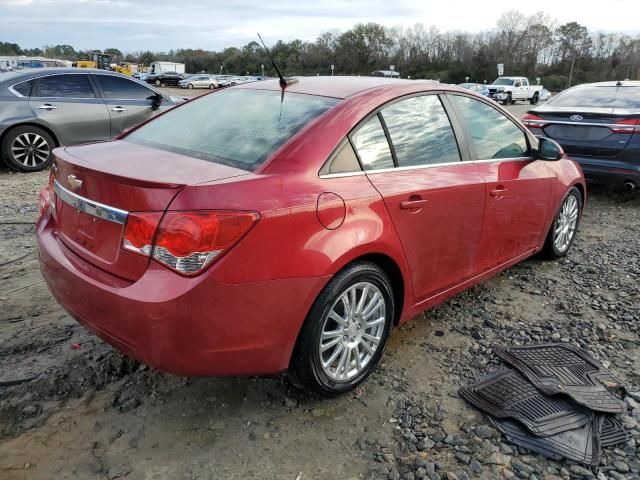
column 628, row 125
column 139, row 232
column 186, row 242
column 533, row 121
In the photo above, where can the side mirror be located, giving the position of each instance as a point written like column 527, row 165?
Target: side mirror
column 549, row 149
column 156, row 101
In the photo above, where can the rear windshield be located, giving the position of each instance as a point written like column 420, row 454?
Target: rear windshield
column 237, row 127
column 605, row 97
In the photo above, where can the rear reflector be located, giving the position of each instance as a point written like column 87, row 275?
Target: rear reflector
column 628, row 125
column 533, row 121
column 186, row 242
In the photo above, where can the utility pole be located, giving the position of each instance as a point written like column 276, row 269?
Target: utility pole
column 573, row 61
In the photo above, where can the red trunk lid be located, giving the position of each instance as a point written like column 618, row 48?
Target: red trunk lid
column 98, row 184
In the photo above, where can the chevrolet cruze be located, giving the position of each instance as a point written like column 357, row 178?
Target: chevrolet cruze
column 258, row 229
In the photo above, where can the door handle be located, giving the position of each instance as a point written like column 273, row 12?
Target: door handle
column 498, row 191
column 47, row 106
column 411, row 204
column 118, row 109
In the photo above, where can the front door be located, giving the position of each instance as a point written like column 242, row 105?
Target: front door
column 68, row 104
column 516, row 186
column 129, row 103
column 435, row 200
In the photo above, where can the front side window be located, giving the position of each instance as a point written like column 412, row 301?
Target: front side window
column 65, row 86
column 121, row 88
column 372, row 145
column 493, row 134
column 239, row 127
column 420, row 132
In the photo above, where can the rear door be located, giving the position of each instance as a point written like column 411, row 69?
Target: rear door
column 129, row 103
column 517, row 187
column 70, row 105
column 436, row 201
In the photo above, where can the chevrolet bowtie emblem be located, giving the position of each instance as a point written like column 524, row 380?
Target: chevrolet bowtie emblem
column 74, row 182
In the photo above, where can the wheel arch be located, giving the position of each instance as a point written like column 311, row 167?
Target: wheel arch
column 30, row 124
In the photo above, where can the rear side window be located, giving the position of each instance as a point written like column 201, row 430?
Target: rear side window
column 123, row 89
column 24, row 88
column 493, row 134
column 344, row 161
column 239, row 127
column 372, row 145
column 420, row 132
column 65, row 86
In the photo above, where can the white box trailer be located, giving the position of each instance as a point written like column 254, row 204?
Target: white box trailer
column 158, row 67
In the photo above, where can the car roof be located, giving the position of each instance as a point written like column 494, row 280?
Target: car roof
column 622, row 83
column 339, row 86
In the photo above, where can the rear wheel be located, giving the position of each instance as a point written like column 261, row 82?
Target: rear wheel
column 346, row 331
column 27, row 149
column 158, row 83
column 564, row 227
column 534, row 99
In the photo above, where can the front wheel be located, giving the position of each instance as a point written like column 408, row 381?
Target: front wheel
column 158, row 83
column 211, row 86
column 564, row 227
column 507, row 101
column 346, row 331
column 190, row 86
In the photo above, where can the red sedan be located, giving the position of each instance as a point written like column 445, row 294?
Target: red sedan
column 256, row 230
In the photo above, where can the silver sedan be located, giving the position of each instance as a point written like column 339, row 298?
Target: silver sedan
column 199, row 81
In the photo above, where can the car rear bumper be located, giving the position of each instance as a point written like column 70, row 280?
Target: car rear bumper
column 609, row 170
column 187, row 326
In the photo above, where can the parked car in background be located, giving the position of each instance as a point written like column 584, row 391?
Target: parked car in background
column 164, row 79
column 598, row 125
column 44, row 108
column 545, row 95
column 260, row 229
column 198, row 81
column 510, row 89
column 476, row 87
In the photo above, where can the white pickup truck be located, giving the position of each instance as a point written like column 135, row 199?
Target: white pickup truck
column 509, row 89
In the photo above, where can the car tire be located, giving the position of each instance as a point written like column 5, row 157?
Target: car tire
column 27, row 149
column 507, row 101
column 336, row 336
column 563, row 230
column 190, row 86
column 158, row 83
column 534, row 100
column 212, row 86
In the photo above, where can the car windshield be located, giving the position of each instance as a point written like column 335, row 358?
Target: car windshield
column 240, row 128
column 503, row 81
column 599, row 96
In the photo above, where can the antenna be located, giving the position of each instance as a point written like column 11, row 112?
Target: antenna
column 283, row 81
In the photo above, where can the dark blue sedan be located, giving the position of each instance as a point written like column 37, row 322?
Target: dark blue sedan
column 598, row 125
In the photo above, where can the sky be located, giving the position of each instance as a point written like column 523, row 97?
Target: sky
column 136, row 25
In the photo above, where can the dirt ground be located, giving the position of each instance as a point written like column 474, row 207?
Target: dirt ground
column 83, row 411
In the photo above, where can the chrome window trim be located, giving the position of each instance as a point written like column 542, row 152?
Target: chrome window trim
column 85, row 205
column 419, row 167
column 17, row 94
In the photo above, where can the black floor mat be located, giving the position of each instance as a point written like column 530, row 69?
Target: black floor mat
column 612, row 432
column 580, row 445
column 562, row 368
column 507, row 394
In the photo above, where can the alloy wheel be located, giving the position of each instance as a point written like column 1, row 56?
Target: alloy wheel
column 352, row 331
column 30, row 149
column 565, row 227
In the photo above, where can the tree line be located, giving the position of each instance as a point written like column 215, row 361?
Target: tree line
column 535, row 46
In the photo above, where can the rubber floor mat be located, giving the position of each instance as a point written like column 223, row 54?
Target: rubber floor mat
column 562, row 368
column 580, row 444
column 612, row 432
column 507, row 394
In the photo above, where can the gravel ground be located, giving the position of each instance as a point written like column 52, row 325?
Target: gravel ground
column 87, row 412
